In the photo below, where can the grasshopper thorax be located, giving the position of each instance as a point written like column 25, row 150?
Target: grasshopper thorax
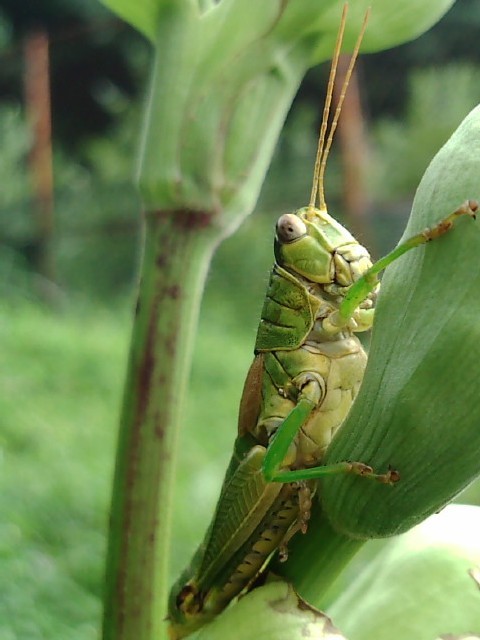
column 311, row 244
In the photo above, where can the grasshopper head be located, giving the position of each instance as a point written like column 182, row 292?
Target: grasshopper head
column 314, row 245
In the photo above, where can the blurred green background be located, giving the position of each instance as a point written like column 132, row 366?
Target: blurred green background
column 68, row 286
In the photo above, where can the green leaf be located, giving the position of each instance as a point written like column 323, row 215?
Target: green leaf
column 418, row 408
column 141, row 14
column 419, row 586
column 391, row 22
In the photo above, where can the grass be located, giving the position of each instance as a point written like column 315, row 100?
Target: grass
column 61, row 377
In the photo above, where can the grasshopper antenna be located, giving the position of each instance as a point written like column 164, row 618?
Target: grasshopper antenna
column 325, row 143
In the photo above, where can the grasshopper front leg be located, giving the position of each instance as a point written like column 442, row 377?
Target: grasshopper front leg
column 360, row 290
column 310, row 399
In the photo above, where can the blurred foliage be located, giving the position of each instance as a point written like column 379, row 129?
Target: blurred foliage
column 98, row 212
column 16, row 142
column 89, row 51
column 96, row 239
column 16, row 242
column 439, row 98
column 61, row 378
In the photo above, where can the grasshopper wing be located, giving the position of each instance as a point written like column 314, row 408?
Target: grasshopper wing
column 243, row 503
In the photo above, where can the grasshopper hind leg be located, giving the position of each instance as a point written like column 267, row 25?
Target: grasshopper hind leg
column 304, row 495
column 272, row 534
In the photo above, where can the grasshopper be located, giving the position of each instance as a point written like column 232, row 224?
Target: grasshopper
column 307, row 370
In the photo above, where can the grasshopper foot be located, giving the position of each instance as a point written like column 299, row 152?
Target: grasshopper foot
column 468, row 208
column 392, row 476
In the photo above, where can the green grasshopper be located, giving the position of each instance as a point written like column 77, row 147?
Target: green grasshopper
column 307, row 370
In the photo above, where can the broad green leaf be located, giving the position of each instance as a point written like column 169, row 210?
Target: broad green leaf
column 391, row 22
column 419, row 586
column 418, row 408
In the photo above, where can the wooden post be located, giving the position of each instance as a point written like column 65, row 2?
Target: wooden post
column 354, row 150
column 37, row 104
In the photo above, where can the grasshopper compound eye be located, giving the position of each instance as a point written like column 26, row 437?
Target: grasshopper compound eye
column 290, row 228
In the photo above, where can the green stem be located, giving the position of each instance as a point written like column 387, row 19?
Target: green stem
column 178, row 248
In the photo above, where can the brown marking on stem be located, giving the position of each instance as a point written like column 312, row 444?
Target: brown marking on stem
column 159, row 430
column 173, row 292
column 154, row 214
column 145, row 371
column 170, row 345
column 190, row 219
column 148, row 375
column 185, row 218
column 144, row 377
column 161, row 261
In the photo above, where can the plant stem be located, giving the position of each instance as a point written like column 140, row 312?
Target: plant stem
column 178, row 247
